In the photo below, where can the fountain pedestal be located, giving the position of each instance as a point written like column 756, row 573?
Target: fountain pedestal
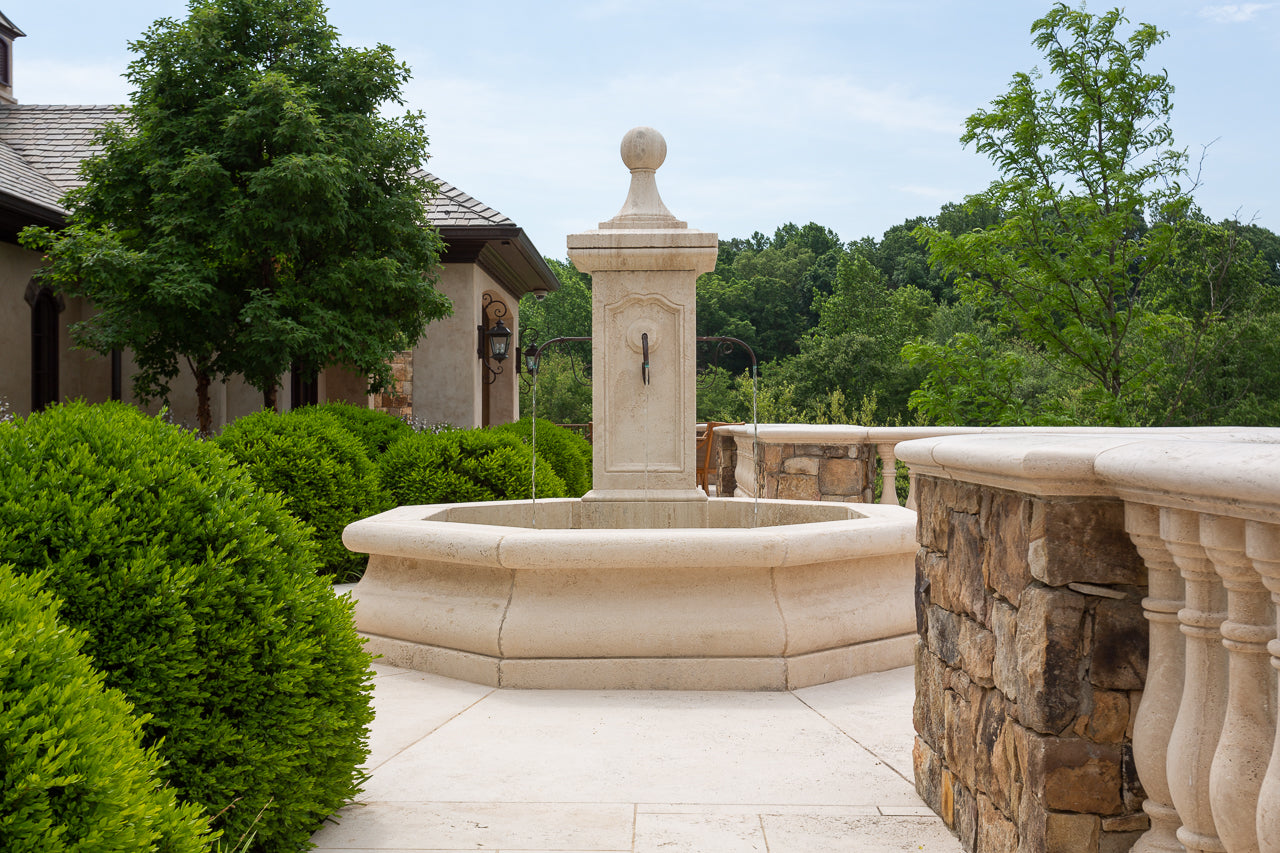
column 644, row 265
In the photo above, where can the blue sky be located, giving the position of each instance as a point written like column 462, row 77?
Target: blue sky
column 843, row 113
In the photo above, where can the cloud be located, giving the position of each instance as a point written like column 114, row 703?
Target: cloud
column 1234, row 13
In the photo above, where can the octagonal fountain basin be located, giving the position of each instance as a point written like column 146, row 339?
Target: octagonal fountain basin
column 727, row 593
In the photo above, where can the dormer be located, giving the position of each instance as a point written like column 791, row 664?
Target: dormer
column 8, row 32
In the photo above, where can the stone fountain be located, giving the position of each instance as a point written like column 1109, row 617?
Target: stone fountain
column 644, row 582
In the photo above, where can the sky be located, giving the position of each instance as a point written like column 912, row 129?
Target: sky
column 847, row 113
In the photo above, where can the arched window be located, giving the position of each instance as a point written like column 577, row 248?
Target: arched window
column 45, row 347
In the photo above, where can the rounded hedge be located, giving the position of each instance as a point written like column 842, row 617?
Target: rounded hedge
column 567, row 452
column 75, row 775
column 375, row 430
column 463, row 465
column 322, row 471
column 200, row 595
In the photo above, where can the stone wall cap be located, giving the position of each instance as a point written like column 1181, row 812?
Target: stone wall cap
column 1172, row 466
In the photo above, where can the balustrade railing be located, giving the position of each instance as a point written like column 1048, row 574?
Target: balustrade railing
column 1203, row 509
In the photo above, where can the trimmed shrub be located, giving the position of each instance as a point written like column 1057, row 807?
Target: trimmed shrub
column 320, row 469
column 463, row 465
column 200, row 595
column 375, row 430
column 75, row 775
column 567, row 452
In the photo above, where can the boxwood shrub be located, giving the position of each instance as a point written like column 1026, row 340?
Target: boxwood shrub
column 322, row 471
column 200, row 596
column 463, row 465
column 75, row 775
column 567, row 452
column 375, row 430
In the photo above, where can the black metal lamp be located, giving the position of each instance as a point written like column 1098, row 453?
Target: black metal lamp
column 499, row 341
column 494, row 343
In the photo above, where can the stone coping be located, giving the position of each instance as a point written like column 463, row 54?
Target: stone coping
column 1231, row 470
column 855, row 434
column 510, row 542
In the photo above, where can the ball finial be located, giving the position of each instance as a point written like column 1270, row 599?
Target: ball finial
column 643, row 148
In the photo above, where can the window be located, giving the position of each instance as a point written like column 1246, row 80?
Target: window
column 304, row 387
column 44, row 349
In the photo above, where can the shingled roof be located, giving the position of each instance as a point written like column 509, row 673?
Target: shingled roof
column 42, row 146
column 451, row 206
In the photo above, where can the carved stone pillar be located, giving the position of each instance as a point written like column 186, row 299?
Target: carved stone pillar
column 888, row 474
column 1262, row 542
column 1165, row 669
column 1199, row 724
column 1250, row 724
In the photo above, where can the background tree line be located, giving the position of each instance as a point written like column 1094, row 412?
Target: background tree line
column 1083, row 286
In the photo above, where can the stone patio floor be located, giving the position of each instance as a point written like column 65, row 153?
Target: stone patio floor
column 457, row 766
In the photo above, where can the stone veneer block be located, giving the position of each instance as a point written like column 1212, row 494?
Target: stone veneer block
column 1051, row 657
column 964, row 577
column 1119, row 649
column 1005, row 520
column 1082, row 541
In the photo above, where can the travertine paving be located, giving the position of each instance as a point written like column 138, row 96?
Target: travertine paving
column 457, row 766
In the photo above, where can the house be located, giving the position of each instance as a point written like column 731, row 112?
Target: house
column 489, row 263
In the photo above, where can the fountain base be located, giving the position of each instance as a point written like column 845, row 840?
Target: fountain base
column 813, row 592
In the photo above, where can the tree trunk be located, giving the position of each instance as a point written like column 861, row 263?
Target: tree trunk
column 203, row 413
column 269, row 397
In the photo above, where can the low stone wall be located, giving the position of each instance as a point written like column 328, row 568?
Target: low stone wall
column 1029, row 668
column 791, row 469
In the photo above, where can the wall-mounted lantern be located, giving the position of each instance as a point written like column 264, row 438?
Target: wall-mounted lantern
column 494, row 341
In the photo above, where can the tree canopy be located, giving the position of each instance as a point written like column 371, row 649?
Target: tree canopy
column 252, row 212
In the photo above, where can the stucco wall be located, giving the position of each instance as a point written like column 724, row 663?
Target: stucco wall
column 447, row 374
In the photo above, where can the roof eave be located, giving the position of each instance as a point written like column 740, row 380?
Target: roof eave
column 17, row 213
column 503, row 251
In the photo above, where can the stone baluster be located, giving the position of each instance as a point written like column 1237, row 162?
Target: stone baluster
column 1250, row 723
column 888, row 473
column 1262, row 543
column 1200, row 714
column 1165, row 669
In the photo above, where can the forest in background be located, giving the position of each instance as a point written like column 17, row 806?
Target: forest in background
column 829, row 321
column 1082, row 287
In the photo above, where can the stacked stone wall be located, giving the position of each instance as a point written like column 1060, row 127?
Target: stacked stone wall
column 806, row 472
column 397, row 400
column 1029, row 667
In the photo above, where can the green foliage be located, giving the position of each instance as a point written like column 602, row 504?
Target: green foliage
column 568, row 453
column 562, row 398
column 253, row 211
column 200, row 596
column 320, row 469
column 75, row 775
column 1084, row 161
column 374, row 429
column 460, row 466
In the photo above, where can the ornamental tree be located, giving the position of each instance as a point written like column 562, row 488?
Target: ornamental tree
column 252, row 211
column 1086, row 160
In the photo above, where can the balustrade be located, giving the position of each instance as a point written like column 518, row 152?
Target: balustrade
column 1165, row 668
column 1202, row 508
